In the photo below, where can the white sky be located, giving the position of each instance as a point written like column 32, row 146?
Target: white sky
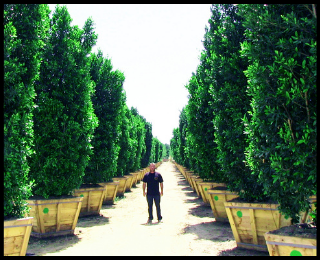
column 156, row 46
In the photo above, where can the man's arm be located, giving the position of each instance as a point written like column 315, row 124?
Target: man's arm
column 161, row 187
column 144, row 188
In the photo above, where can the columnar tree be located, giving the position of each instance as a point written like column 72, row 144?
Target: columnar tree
column 145, row 160
column 123, row 140
column 230, row 102
column 281, row 48
column 139, row 125
column 107, row 105
column 25, row 31
column 64, row 120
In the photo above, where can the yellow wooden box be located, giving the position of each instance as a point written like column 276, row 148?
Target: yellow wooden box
column 250, row 221
column 16, row 235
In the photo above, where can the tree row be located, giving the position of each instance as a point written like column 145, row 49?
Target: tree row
column 66, row 121
column 250, row 121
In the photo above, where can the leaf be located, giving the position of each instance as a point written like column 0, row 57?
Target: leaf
column 300, row 141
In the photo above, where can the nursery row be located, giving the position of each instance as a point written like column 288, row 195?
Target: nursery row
column 66, row 122
column 258, row 226
column 67, row 127
column 250, row 121
column 59, row 216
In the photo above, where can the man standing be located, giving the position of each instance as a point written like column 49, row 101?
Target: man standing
column 151, row 180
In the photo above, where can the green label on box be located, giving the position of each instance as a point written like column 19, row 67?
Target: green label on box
column 239, row 214
column 81, row 195
column 216, row 198
column 45, row 210
column 205, row 189
column 295, row 253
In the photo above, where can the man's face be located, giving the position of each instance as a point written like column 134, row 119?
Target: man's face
column 152, row 167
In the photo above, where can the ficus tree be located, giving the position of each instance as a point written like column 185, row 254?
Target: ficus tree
column 64, row 119
column 107, row 106
column 25, row 31
column 230, row 102
column 281, row 127
column 123, row 141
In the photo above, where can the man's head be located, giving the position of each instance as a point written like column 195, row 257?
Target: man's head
column 152, row 167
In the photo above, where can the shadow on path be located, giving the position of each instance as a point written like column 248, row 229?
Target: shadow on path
column 214, row 231
column 39, row 246
column 91, row 221
column 237, row 251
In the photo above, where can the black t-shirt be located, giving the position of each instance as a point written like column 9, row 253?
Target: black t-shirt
column 152, row 180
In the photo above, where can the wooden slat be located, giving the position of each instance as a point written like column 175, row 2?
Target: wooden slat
column 58, row 216
column 77, row 215
column 89, row 200
column 233, row 225
column 253, row 227
column 101, row 198
column 26, row 239
column 214, row 211
column 41, row 221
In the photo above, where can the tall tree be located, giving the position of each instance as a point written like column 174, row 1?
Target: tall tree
column 281, row 48
column 107, row 105
column 145, row 160
column 25, row 32
column 230, row 103
column 123, row 141
column 64, row 120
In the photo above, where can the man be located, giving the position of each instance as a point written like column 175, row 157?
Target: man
column 151, row 180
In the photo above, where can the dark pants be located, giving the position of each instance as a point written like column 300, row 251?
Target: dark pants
column 156, row 199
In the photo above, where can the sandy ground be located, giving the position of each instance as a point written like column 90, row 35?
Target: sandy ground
column 188, row 227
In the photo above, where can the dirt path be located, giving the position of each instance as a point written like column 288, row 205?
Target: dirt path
column 188, row 227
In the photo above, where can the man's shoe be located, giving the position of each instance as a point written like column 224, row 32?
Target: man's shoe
column 149, row 221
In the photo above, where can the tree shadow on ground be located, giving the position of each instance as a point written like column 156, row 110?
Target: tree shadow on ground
column 195, row 198
column 91, row 221
column 41, row 246
column 201, row 210
column 237, row 251
column 214, row 231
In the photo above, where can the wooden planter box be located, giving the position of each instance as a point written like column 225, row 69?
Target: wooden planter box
column 142, row 173
column 217, row 197
column 129, row 182
column 290, row 246
column 204, row 186
column 250, row 221
column 122, row 185
column 16, row 234
column 135, row 178
column 93, row 196
column 189, row 176
column 194, row 178
column 312, row 200
column 111, row 189
column 54, row 216
column 196, row 182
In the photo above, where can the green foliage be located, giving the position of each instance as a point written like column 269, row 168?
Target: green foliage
column 138, row 123
column 251, row 114
column 25, row 27
column 174, row 146
column 145, row 160
column 123, row 142
column 156, row 151
column 64, row 120
column 282, row 86
column 107, row 106
column 230, row 102
column 135, row 142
